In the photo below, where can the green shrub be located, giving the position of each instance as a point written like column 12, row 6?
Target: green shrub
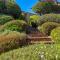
column 55, row 34
column 34, row 19
column 47, row 27
column 5, row 18
column 49, row 18
column 15, row 25
column 12, row 40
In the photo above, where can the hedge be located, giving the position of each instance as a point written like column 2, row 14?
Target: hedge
column 15, row 25
column 12, row 40
column 47, row 27
column 5, row 18
column 49, row 18
column 55, row 34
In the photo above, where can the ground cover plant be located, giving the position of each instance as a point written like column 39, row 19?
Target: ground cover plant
column 33, row 52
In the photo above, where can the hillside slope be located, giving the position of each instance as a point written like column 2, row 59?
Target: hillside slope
column 31, row 52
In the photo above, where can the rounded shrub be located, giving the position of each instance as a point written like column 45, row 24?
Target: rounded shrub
column 55, row 34
column 47, row 27
column 49, row 18
column 12, row 40
column 15, row 25
column 34, row 18
column 5, row 18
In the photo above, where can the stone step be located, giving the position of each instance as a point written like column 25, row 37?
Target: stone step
column 39, row 39
column 45, row 42
column 37, row 35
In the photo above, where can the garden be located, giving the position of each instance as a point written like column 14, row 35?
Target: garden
column 35, row 39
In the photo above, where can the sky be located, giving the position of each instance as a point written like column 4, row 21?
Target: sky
column 26, row 5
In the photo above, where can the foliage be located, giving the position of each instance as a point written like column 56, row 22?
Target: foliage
column 33, row 52
column 15, row 25
column 55, row 34
column 49, row 18
column 56, row 8
column 35, row 19
column 47, row 27
column 11, row 8
column 11, row 40
column 43, row 7
column 1, row 6
column 5, row 18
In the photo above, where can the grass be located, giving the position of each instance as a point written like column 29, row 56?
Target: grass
column 33, row 52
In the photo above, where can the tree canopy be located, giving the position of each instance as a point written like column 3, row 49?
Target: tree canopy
column 46, row 7
column 43, row 7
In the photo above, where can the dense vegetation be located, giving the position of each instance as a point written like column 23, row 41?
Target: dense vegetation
column 49, row 18
column 15, row 25
column 47, row 27
column 33, row 52
column 10, row 8
column 46, row 7
column 34, row 19
column 5, row 18
column 14, row 32
column 56, row 35
column 11, row 39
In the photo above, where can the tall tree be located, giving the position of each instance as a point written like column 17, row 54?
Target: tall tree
column 10, row 7
column 43, row 7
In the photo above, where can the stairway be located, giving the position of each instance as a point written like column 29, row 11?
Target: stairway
column 38, row 37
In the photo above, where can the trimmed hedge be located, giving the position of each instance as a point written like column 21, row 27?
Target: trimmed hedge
column 5, row 18
column 55, row 34
column 47, row 27
column 12, row 40
column 49, row 18
column 15, row 25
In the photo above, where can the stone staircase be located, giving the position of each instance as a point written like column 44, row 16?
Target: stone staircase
column 38, row 37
